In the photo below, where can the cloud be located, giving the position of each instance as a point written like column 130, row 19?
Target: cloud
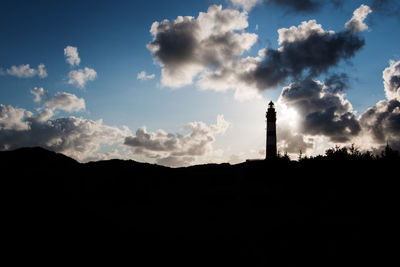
column 293, row 143
column 38, row 93
column 245, row 4
column 300, row 33
column 76, row 137
column 176, row 149
column 306, row 50
column 81, row 76
column 21, row 71
column 61, row 101
column 66, row 102
column 12, row 119
column 143, row 76
column 289, row 132
column 384, row 7
column 290, row 6
column 296, row 5
column 208, row 51
column 322, row 110
column 44, row 114
column 210, row 45
column 83, row 139
column 382, row 121
column 25, row 71
column 391, row 80
column 356, row 23
column 41, row 71
column 71, row 55
column 337, row 83
column 235, row 159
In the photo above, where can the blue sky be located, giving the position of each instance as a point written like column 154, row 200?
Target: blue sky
column 111, row 39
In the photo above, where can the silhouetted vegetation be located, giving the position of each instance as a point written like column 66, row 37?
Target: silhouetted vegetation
column 352, row 153
column 318, row 211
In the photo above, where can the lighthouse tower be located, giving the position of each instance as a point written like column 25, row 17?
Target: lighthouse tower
column 271, row 131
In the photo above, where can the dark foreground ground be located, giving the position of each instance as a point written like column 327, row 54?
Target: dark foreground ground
column 277, row 213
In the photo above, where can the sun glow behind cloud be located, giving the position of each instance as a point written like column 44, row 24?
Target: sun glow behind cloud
column 287, row 115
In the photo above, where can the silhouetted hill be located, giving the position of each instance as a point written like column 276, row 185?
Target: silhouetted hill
column 323, row 211
column 35, row 156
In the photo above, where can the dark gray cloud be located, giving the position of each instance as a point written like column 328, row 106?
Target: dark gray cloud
column 322, row 109
column 302, row 6
column 305, row 50
column 382, row 121
column 297, row 5
column 174, row 43
column 384, row 7
column 338, row 127
column 337, row 83
column 187, row 46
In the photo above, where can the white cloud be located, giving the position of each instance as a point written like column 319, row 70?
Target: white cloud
column 13, row 118
column 44, row 114
column 76, row 137
column 66, row 102
column 81, row 76
column 41, row 71
column 83, row 139
column 301, row 32
column 71, row 55
column 245, row 4
column 143, row 76
column 381, row 122
column 177, row 149
column 22, row 71
column 356, row 23
column 25, row 71
column 37, row 92
column 391, row 80
column 61, row 101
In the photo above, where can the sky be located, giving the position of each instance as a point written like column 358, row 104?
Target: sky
column 179, row 83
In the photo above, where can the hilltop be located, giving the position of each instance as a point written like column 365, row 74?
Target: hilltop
column 321, row 211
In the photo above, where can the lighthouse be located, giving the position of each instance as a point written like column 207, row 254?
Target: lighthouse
column 271, row 132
